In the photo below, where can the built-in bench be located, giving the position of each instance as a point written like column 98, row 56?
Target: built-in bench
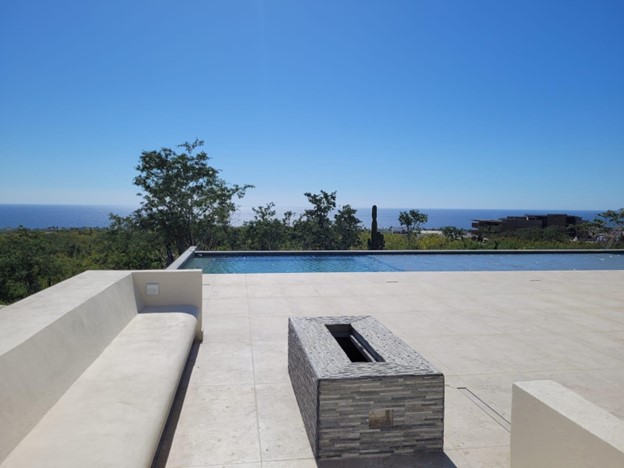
column 89, row 368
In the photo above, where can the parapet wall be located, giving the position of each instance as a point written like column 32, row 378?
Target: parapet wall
column 49, row 339
column 553, row 426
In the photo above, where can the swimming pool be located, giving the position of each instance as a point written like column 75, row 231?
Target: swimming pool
column 212, row 262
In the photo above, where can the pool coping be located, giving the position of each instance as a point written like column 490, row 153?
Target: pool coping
column 391, row 252
column 192, row 252
column 179, row 262
column 258, row 253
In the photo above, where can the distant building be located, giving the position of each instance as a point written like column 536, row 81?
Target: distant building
column 511, row 223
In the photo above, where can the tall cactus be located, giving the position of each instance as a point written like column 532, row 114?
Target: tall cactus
column 376, row 242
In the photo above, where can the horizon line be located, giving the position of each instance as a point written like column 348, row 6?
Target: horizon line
column 287, row 207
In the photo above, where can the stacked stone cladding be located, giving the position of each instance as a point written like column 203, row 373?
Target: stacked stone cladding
column 336, row 396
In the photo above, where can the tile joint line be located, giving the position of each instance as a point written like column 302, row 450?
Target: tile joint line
column 487, row 409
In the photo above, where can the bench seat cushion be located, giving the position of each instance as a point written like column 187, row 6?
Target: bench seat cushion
column 114, row 414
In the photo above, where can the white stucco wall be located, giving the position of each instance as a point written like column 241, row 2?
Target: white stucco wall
column 49, row 339
column 552, row 426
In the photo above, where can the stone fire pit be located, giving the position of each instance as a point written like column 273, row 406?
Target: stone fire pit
column 361, row 390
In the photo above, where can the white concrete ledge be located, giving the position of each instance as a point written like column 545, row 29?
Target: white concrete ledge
column 182, row 259
column 89, row 367
column 551, row 426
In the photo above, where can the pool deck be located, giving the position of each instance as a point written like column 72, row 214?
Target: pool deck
column 484, row 330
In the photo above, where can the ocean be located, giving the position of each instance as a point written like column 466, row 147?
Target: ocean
column 75, row 216
column 59, row 216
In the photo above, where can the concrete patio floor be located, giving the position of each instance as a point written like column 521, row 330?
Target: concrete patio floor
column 483, row 330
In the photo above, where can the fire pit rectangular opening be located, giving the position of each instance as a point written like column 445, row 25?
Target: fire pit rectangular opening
column 361, row 390
column 355, row 347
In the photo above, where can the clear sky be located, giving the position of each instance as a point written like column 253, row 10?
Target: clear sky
column 419, row 104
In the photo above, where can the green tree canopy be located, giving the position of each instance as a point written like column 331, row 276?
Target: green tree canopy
column 453, row 233
column 347, row 228
column 611, row 219
column 265, row 231
column 313, row 228
column 31, row 260
column 128, row 245
column 184, row 199
column 413, row 221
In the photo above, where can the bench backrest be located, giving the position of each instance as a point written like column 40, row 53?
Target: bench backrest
column 49, row 339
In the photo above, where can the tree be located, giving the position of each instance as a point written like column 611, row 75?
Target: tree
column 413, row 221
column 347, row 228
column 30, row 260
column 184, row 199
column 453, row 233
column 612, row 222
column 130, row 245
column 587, row 230
column 314, row 228
column 265, row 231
column 611, row 219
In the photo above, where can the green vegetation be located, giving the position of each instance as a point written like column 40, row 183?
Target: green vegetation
column 611, row 219
column 31, row 260
column 265, row 231
column 517, row 240
column 313, row 228
column 128, row 244
column 452, row 233
column 185, row 203
column 347, row 229
column 413, row 221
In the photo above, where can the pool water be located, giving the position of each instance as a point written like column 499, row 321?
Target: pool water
column 320, row 263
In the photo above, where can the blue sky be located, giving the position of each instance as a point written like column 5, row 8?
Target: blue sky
column 419, row 104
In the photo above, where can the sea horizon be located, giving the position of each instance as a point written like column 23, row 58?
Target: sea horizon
column 66, row 216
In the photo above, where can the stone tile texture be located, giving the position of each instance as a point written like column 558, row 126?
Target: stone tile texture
column 337, row 396
column 484, row 330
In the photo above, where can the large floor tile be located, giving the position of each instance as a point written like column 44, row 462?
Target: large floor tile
column 223, row 364
column 262, row 306
column 268, row 328
column 225, row 328
column 572, row 351
column 225, row 290
column 495, row 389
column 282, row 434
column 468, row 426
column 309, row 306
column 487, row 457
column 214, row 447
column 271, row 362
column 215, row 407
column 226, row 305
column 264, row 290
column 349, row 305
column 604, row 343
column 484, row 330
column 300, row 290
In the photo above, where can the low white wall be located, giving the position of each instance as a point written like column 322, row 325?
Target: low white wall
column 179, row 287
column 49, row 339
column 552, row 426
column 178, row 262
